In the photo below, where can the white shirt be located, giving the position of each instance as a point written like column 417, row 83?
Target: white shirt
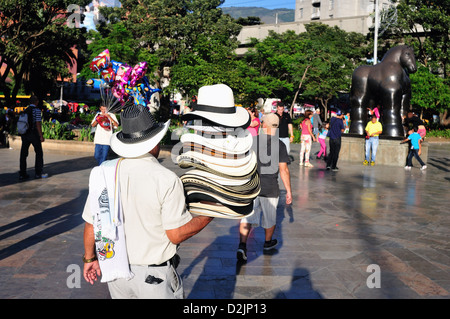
column 153, row 202
column 103, row 136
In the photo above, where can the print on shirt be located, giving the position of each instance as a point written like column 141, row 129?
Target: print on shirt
column 104, row 246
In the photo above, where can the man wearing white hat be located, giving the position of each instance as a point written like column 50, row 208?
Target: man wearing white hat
column 136, row 215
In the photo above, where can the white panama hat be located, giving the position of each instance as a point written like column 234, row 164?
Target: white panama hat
column 216, row 104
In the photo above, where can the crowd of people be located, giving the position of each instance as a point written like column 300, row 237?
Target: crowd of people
column 313, row 129
column 159, row 218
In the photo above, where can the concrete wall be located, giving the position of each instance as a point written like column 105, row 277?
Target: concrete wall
column 70, row 147
column 359, row 24
column 390, row 151
column 60, row 146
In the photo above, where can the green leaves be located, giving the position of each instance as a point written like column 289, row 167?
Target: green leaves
column 428, row 26
column 56, row 131
column 275, row 65
column 429, row 91
column 35, row 44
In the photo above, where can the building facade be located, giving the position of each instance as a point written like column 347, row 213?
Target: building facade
column 313, row 10
column 349, row 15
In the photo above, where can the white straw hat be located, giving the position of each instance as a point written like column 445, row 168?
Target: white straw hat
column 216, row 104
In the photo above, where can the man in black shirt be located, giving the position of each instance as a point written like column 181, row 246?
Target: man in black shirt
column 272, row 159
column 286, row 129
column 411, row 121
column 33, row 137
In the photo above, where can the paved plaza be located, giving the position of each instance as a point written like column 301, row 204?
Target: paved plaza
column 359, row 233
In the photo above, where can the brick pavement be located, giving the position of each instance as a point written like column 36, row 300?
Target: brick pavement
column 339, row 224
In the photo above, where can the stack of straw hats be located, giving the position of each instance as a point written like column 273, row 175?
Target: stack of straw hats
column 224, row 180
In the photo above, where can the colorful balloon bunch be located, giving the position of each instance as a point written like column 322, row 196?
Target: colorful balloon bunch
column 126, row 82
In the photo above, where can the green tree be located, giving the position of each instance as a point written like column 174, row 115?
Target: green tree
column 183, row 34
column 426, row 26
column 331, row 54
column 430, row 91
column 249, row 21
column 35, row 44
column 121, row 45
column 322, row 59
column 267, row 67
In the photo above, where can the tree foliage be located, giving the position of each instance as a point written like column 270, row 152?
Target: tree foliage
column 426, row 26
column 429, row 91
column 275, row 66
column 35, row 44
column 191, row 36
column 121, row 45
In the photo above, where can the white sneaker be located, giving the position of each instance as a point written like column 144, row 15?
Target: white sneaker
column 423, row 167
column 408, row 168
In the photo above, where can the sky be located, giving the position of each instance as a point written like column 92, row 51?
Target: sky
column 269, row 4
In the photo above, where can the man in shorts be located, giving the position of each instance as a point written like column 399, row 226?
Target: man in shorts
column 272, row 159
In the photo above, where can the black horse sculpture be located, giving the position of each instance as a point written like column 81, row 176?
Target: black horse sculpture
column 386, row 84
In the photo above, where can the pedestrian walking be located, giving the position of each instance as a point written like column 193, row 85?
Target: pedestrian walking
column 415, row 149
column 322, row 141
column 373, row 131
column 316, row 122
column 334, row 133
column 32, row 136
column 265, row 205
column 135, row 215
column 307, row 137
column 286, row 128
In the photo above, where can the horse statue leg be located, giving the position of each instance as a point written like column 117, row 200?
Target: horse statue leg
column 392, row 117
column 358, row 116
column 405, row 107
column 359, row 100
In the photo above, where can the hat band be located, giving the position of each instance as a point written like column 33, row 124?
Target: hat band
column 138, row 134
column 215, row 109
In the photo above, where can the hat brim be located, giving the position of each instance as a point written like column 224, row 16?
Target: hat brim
column 185, row 161
column 239, row 119
column 227, row 162
column 220, row 210
column 140, row 148
column 230, row 144
column 193, row 181
column 223, row 180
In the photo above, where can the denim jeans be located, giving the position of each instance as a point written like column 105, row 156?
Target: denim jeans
column 101, row 152
column 371, row 144
column 415, row 153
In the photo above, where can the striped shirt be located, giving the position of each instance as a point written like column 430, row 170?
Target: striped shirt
column 37, row 116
